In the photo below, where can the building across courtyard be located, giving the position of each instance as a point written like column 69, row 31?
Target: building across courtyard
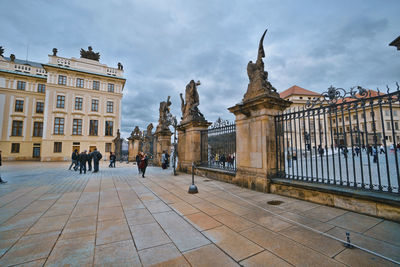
column 47, row 110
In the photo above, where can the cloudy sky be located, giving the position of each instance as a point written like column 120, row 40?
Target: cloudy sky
column 165, row 44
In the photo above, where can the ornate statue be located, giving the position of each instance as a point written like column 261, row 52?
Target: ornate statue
column 118, row 145
column 12, row 57
column 1, row 51
column 258, row 78
column 90, row 54
column 55, row 52
column 163, row 122
column 189, row 106
column 120, row 66
column 135, row 134
column 149, row 129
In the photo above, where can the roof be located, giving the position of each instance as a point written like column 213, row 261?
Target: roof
column 396, row 43
column 83, row 71
column 371, row 93
column 297, row 90
column 26, row 62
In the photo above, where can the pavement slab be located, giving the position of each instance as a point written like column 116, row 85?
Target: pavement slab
column 116, row 218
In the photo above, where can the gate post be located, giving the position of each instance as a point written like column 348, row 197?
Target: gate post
column 163, row 144
column 255, row 127
column 189, row 144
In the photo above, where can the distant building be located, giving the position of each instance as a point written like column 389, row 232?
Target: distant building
column 48, row 110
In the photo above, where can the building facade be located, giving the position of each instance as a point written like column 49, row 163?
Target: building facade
column 48, row 110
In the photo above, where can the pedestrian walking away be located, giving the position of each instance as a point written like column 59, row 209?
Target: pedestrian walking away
column 82, row 162
column 113, row 158
column 74, row 160
column 89, row 161
column 1, row 180
column 164, row 160
column 138, row 161
column 143, row 164
column 96, row 158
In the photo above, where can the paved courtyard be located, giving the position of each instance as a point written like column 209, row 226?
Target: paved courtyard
column 54, row 217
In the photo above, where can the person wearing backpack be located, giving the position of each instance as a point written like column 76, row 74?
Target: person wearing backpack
column 96, row 158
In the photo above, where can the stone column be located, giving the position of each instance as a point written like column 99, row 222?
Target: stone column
column 133, row 150
column 163, row 144
column 189, row 144
column 256, row 140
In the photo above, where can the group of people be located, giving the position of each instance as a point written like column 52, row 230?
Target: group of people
column 142, row 160
column 222, row 160
column 79, row 160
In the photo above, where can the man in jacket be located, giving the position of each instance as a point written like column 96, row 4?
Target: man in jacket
column 96, row 158
column 1, row 180
column 82, row 161
column 112, row 160
column 138, row 161
column 74, row 159
column 89, row 157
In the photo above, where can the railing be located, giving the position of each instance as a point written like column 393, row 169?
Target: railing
column 343, row 138
column 218, row 146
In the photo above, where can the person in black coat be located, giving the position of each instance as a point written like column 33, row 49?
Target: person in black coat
column 96, row 158
column 113, row 158
column 74, row 159
column 1, row 180
column 89, row 161
column 82, row 161
column 138, row 161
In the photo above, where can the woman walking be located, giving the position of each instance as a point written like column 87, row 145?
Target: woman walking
column 143, row 164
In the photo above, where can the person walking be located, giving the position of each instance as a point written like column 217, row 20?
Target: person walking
column 138, row 161
column 96, row 158
column 112, row 160
column 375, row 154
column 89, row 160
column 1, row 180
column 74, row 159
column 82, row 162
column 143, row 164
column 164, row 160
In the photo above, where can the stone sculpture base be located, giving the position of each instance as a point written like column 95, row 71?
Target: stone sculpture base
column 255, row 140
column 134, row 145
column 189, row 144
column 163, row 144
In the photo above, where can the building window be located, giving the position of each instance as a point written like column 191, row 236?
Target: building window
column 300, row 97
column 95, row 105
column 110, row 106
column 108, row 147
column 21, row 85
column 394, row 112
column 93, row 127
column 78, row 103
column 77, row 127
column 15, row 148
column 60, row 101
column 111, row 87
column 41, row 88
column 62, row 79
column 59, row 126
column 388, row 125
column 386, row 112
column 19, row 105
column 346, row 118
column 109, row 128
column 96, row 85
column 39, row 107
column 79, row 82
column 17, row 128
column 340, row 119
column 57, row 147
column 354, row 117
column 38, row 128
column 396, row 125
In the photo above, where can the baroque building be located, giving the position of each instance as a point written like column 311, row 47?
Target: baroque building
column 49, row 109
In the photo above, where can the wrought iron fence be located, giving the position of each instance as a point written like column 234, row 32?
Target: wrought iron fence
column 342, row 138
column 218, row 146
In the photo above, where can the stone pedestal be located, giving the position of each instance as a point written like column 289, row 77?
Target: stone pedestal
column 134, row 148
column 189, row 144
column 163, row 144
column 256, row 140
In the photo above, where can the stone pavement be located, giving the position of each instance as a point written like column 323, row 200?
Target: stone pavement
column 50, row 216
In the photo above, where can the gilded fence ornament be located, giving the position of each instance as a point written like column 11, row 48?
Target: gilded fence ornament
column 189, row 106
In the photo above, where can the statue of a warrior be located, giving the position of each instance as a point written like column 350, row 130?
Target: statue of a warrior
column 189, row 106
column 258, row 77
column 164, row 115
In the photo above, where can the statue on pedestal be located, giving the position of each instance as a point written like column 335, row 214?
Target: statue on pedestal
column 136, row 133
column 118, row 145
column 163, row 121
column 189, row 106
column 90, row 54
column 258, row 77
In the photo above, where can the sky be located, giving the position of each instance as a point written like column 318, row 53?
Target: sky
column 165, row 44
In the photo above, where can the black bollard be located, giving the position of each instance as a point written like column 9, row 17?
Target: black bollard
column 193, row 187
